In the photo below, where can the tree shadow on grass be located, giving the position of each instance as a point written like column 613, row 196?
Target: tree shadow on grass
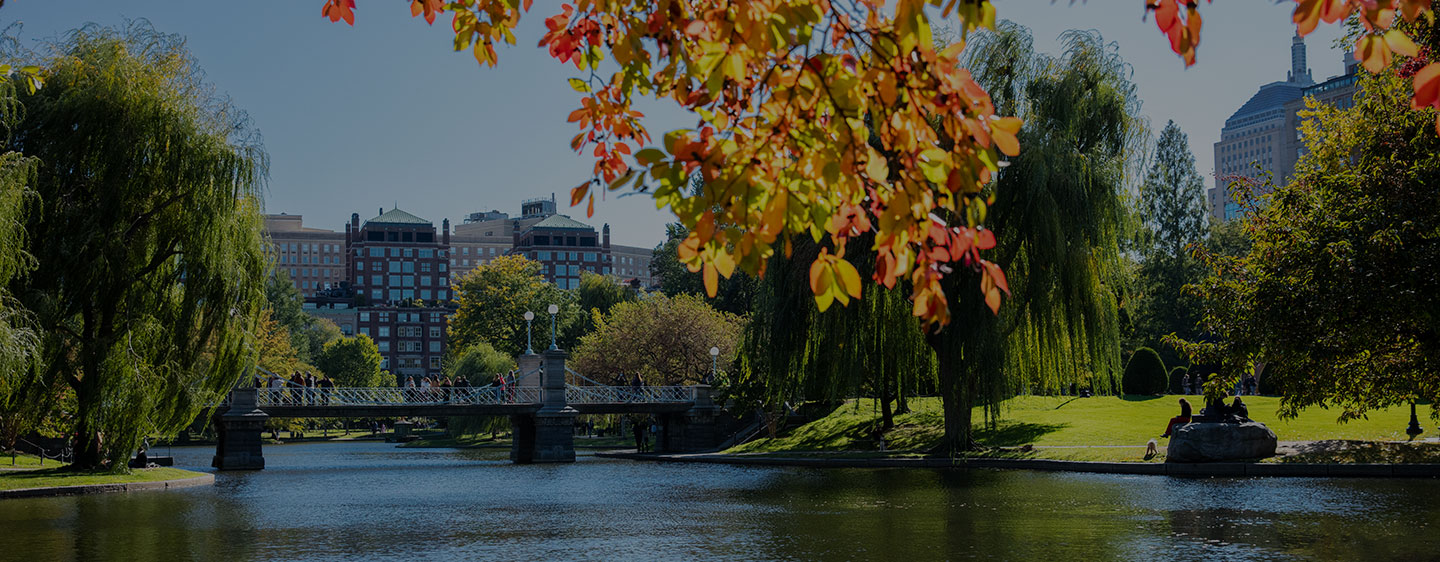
column 1141, row 397
column 1013, row 434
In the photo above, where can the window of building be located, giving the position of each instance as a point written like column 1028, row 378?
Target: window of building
column 434, row 362
column 425, row 267
column 425, row 294
column 377, row 252
column 425, row 280
column 587, row 242
column 465, row 251
column 435, row 331
column 465, row 263
column 407, row 267
column 434, row 346
column 426, row 253
column 394, row 294
column 442, row 269
column 376, row 294
column 589, row 256
column 544, row 256
column 542, row 240
column 442, row 294
column 377, row 280
column 365, row 330
column 364, row 316
column 409, row 252
column 384, row 331
column 384, row 345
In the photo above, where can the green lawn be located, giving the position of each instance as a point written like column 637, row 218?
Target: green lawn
column 1100, row 428
column 51, row 477
column 23, row 461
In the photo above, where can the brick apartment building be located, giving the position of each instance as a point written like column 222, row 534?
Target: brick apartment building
column 313, row 257
column 400, row 278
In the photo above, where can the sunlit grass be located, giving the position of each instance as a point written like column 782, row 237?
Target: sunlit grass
column 48, row 477
column 1095, row 429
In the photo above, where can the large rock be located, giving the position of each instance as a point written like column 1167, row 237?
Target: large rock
column 1209, row 442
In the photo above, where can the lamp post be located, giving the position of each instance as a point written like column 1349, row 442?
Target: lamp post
column 1414, row 428
column 714, row 354
column 553, row 311
column 528, row 317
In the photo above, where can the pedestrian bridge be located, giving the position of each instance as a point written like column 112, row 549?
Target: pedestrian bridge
column 541, row 403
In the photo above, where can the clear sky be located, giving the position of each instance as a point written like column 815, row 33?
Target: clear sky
column 358, row 118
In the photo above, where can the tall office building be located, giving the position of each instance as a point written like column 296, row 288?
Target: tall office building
column 1263, row 135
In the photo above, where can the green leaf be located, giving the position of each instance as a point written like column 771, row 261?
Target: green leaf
column 580, row 85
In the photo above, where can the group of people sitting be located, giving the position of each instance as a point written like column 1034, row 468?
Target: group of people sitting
column 300, row 388
column 1216, row 411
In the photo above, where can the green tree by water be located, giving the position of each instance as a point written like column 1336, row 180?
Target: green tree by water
column 665, row 340
column 479, row 363
column 353, row 362
column 1338, row 294
column 493, row 299
column 1059, row 213
column 24, row 402
column 147, row 234
column 1172, row 210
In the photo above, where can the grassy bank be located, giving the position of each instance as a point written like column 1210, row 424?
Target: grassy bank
column 49, row 477
column 26, row 462
column 1100, row 428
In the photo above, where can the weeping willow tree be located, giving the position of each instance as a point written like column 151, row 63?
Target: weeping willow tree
column 873, row 346
column 1058, row 211
column 20, row 397
column 147, row 238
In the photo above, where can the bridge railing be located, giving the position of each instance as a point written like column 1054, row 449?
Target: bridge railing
column 577, row 394
column 480, row 396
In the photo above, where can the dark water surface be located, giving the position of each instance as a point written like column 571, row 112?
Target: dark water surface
column 371, row 501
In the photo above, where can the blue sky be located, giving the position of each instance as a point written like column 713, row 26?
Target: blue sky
column 356, row 118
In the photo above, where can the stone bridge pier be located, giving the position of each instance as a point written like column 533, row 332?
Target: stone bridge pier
column 238, row 433
column 548, row 435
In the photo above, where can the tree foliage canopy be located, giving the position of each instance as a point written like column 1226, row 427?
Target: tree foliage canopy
column 147, row 234
column 479, row 363
column 665, row 340
column 492, row 301
column 353, row 362
column 1338, row 294
column 1172, row 210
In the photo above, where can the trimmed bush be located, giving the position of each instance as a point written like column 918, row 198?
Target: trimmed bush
column 1177, row 380
column 1145, row 373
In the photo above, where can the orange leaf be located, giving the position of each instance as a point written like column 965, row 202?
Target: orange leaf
column 712, row 280
column 1307, row 15
column 590, row 211
column 1427, row 87
column 578, row 192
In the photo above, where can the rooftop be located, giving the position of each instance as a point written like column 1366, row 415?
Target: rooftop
column 562, row 221
column 396, row 216
column 1271, row 96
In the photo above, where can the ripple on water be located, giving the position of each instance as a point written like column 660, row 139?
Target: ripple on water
column 375, row 502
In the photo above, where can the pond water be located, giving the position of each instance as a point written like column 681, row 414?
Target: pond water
column 372, row 501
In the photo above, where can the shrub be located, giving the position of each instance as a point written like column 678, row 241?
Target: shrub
column 1177, row 380
column 1145, row 373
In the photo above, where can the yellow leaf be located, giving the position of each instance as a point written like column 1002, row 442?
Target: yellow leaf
column 820, row 277
column 724, row 263
column 848, row 277
column 823, row 300
column 1004, row 131
column 1400, row 43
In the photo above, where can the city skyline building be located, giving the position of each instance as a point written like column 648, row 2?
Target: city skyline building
column 1263, row 135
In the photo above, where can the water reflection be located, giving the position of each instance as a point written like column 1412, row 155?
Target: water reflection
column 373, row 501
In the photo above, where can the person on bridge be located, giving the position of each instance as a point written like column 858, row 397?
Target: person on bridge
column 297, row 386
column 445, row 384
column 326, row 385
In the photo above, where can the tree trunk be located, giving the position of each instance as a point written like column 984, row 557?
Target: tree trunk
column 887, row 418
column 955, row 396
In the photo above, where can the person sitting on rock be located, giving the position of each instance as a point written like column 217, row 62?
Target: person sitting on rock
column 1181, row 419
column 1239, row 411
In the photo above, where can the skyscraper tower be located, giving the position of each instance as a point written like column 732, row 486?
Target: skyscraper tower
column 1299, row 71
